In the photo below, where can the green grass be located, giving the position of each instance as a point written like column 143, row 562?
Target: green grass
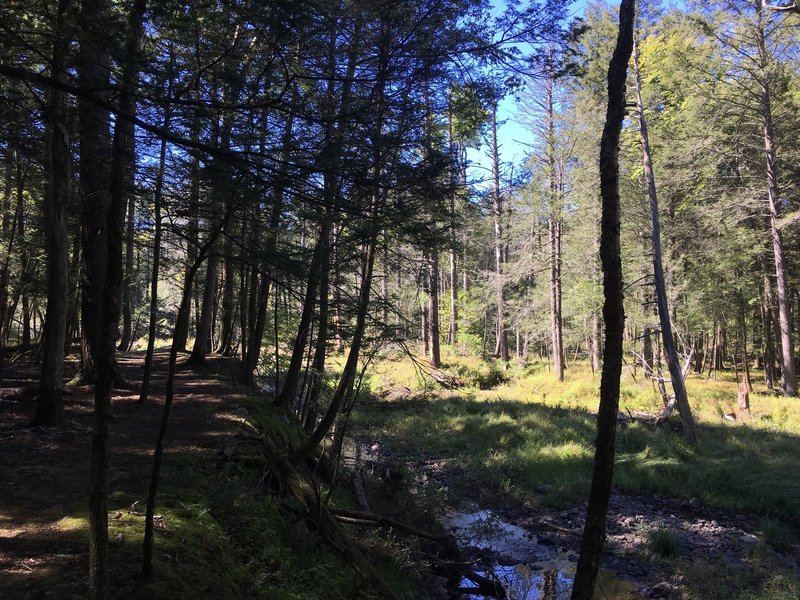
column 662, row 541
column 777, row 534
column 534, row 430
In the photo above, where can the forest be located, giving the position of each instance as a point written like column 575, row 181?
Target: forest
column 285, row 312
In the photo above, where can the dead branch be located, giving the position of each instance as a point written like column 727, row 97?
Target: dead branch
column 356, row 517
column 324, row 520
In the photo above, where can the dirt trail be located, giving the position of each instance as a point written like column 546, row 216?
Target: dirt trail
column 44, row 472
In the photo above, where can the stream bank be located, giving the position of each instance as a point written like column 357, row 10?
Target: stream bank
column 657, row 547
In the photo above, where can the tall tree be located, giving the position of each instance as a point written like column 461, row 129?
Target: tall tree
column 501, row 346
column 668, row 341
column 50, row 409
column 613, row 314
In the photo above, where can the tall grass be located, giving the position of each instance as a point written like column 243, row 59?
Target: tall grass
column 533, row 430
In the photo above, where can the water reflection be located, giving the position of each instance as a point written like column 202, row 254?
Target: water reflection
column 512, row 557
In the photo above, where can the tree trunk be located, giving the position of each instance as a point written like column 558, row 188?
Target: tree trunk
column 127, row 291
column 292, row 379
column 613, row 314
column 433, row 307
column 452, row 332
column 670, row 352
column 748, row 382
column 338, row 319
column 788, row 375
column 224, row 347
column 153, row 312
column 182, row 321
column 107, row 272
column 554, row 233
column 320, row 347
column 501, row 347
column 50, row 408
column 201, row 341
column 158, row 455
column 555, row 298
column 344, row 388
column 345, row 385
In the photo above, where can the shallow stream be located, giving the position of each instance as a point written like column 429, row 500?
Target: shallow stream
column 526, row 568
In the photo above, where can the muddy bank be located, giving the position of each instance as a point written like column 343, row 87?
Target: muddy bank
column 533, row 548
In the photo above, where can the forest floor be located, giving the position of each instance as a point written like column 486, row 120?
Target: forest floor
column 44, row 472
column 447, row 451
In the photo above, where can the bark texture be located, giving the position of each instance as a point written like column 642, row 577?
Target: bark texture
column 613, row 314
column 50, row 409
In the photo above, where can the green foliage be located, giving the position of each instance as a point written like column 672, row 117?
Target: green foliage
column 534, row 430
column 777, row 534
column 484, row 375
column 662, row 541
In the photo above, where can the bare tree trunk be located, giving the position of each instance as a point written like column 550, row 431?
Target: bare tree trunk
column 613, row 314
column 345, row 386
column 554, row 231
column 206, row 323
column 788, row 374
column 501, row 347
column 182, row 321
column 671, row 353
column 224, row 347
column 748, row 382
column 452, row 332
column 50, row 408
column 555, row 298
column 433, row 307
column 338, row 319
column 127, row 318
column 153, row 312
column 158, row 454
column 10, row 220
column 292, row 379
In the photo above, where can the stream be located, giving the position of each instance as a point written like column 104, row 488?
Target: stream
column 526, row 567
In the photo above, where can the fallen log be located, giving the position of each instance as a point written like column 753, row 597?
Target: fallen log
column 357, row 517
column 445, row 380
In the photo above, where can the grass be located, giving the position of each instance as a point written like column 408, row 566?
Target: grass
column 662, row 541
column 777, row 534
column 533, row 429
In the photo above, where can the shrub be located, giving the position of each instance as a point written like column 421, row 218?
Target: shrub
column 662, row 541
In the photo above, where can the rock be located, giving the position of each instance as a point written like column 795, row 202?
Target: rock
column 241, row 412
column 629, row 522
column 546, row 541
column 749, row 540
column 543, row 488
column 663, row 590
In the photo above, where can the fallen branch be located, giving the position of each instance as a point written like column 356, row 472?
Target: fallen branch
column 356, row 517
column 445, row 380
column 357, row 483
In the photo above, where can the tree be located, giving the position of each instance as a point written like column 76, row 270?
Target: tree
column 676, row 373
column 613, row 314
column 50, row 408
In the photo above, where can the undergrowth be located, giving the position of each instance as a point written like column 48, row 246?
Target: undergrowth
column 534, row 430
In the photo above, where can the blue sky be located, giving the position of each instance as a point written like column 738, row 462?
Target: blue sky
column 513, row 137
